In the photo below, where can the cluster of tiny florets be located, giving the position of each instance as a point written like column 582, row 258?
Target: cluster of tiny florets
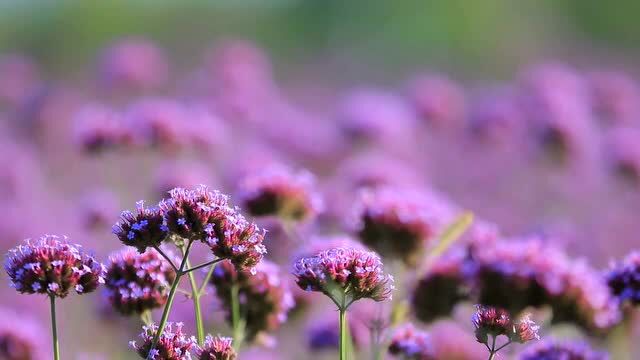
column 490, row 321
column 172, row 344
column 398, row 224
column 265, row 296
column 624, row 279
column 216, row 348
column 409, row 343
column 136, row 283
column 278, row 191
column 53, row 266
column 142, row 229
column 345, row 275
column 555, row 350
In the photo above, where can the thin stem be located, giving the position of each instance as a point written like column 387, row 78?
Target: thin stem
column 343, row 334
column 166, row 257
column 492, row 352
column 196, row 306
column 235, row 316
column 172, row 294
column 503, row 346
column 54, row 329
column 203, row 286
column 190, row 269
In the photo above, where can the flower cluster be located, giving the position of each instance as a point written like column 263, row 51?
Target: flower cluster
column 53, row 266
column 437, row 100
column 21, row 338
column 278, row 191
column 216, row 348
column 490, row 321
column 623, row 279
column 399, row 224
column 528, row 272
column 142, row 229
column 623, row 152
column 265, row 297
column 345, row 275
column 554, row 350
column 206, row 215
column 172, row 344
column 99, row 128
column 409, row 343
column 136, row 283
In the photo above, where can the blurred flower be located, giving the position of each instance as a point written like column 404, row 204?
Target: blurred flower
column 52, row 266
column 99, row 128
column 554, row 350
column 623, row 279
column 497, row 116
column 206, row 215
column 445, row 285
column 216, row 348
column 323, row 332
column 172, row 344
column 623, row 152
column 615, row 96
column 527, row 272
column 409, row 343
column 345, row 275
column 97, row 208
column 136, row 283
column 399, row 223
column 21, row 337
column 278, row 191
column 265, row 298
column 158, row 123
column 133, row 64
column 437, row 99
column 19, row 78
column 142, row 229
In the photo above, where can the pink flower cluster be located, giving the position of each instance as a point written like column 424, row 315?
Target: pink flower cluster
column 216, row 348
column 490, row 321
column 53, row 266
column 173, row 344
column 410, row 343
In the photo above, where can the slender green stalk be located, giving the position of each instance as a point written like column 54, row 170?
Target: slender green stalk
column 203, row 286
column 493, row 351
column 343, row 334
column 235, row 316
column 54, row 329
column 195, row 296
column 172, row 294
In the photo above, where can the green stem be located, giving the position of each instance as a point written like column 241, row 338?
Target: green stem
column 235, row 316
column 172, row 294
column 203, row 286
column 196, row 306
column 54, row 329
column 492, row 352
column 343, row 334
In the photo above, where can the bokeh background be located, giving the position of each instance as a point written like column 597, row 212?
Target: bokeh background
column 319, row 52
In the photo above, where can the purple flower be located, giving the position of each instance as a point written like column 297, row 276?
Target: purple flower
column 399, row 223
column 497, row 116
column 172, row 344
column 142, row 229
column 99, row 128
column 97, row 208
column 623, row 279
column 158, row 123
column 136, row 283
column 323, row 332
column 216, row 348
column 623, row 152
column 133, row 63
column 409, row 343
column 52, row 266
column 21, row 337
column 490, row 321
column 437, row 99
column 265, row 298
column 614, row 96
column 554, row 350
column 278, row 191
column 345, row 275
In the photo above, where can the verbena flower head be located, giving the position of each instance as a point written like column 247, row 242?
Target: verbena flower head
column 158, row 123
column 528, row 272
column 206, row 215
column 136, row 282
column 497, row 117
column 99, row 128
column 52, row 266
column 399, row 223
column 97, row 209
column 437, row 99
column 445, row 285
column 21, row 338
column 490, row 321
column 623, row 152
column 142, row 229
column 135, row 64
column 278, row 191
column 172, row 344
column 555, row 350
column 409, row 343
column 216, row 348
column 614, row 96
column 265, row 299
column 623, row 279
column 345, row 275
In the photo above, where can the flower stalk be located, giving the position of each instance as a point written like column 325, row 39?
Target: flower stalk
column 54, row 329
